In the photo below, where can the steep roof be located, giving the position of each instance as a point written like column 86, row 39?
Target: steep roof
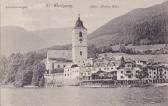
column 60, row 54
column 79, row 23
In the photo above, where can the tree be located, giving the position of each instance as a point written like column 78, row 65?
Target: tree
column 38, row 72
column 42, row 81
column 3, row 67
column 14, row 62
column 20, row 69
column 92, row 51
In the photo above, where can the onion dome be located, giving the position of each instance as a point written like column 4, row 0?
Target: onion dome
column 79, row 23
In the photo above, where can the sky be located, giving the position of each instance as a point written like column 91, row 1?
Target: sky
column 41, row 14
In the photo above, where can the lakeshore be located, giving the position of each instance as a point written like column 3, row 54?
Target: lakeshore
column 95, row 84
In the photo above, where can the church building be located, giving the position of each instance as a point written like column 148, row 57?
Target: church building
column 58, row 61
column 78, row 54
column 79, row 43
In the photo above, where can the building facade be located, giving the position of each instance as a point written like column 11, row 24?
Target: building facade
column 79, row 43
column 157, row 74
column 66, row 65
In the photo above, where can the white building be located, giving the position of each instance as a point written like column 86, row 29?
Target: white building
column 128, row 72
column 157, row 74
column 74, row 74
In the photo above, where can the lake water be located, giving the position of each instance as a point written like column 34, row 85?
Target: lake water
column 75, row 96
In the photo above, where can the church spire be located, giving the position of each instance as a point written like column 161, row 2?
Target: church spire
column 79, row 23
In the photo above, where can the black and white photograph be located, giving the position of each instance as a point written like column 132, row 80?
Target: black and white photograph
column 84, row 53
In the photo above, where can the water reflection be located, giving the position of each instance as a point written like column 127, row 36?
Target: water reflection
column 75, row 96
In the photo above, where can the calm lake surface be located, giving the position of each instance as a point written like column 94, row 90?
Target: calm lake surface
column 75, row 96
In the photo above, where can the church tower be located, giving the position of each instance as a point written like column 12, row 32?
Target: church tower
column 79, row 43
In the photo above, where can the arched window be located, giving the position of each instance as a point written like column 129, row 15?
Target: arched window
column 80, row 40
column 80, row 34
column 81, row 53
column 58, row 66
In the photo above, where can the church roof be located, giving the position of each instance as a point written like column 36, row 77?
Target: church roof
column 59, row 54
column 79, row 23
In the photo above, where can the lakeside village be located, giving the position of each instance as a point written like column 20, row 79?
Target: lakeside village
column 73, row 68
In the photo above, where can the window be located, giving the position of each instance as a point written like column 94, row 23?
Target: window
column 81, row 53
column 154, row 72
column 58, row 66
column 128, row 71
column 52, row 65
column 64, row 65
column 129, row 76
column 121, row 71
column 122, row 77
column 80, row 40
column 80, row 34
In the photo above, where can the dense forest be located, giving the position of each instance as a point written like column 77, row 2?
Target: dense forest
column 141, row 26
column 22, row 69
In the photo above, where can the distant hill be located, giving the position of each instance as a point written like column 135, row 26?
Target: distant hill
column 55, row 36
column 17, row 39
column 140, row 26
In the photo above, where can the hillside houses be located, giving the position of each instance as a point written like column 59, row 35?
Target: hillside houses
column 128, row 70
column 116, row 69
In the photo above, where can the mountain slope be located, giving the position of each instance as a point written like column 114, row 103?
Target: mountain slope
column 17, row 39
column 55, row 36
column 140, row 26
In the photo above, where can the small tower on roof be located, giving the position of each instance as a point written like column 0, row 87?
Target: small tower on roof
column 79, row 43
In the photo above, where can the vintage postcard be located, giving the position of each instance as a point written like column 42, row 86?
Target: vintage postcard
column 84, row 53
